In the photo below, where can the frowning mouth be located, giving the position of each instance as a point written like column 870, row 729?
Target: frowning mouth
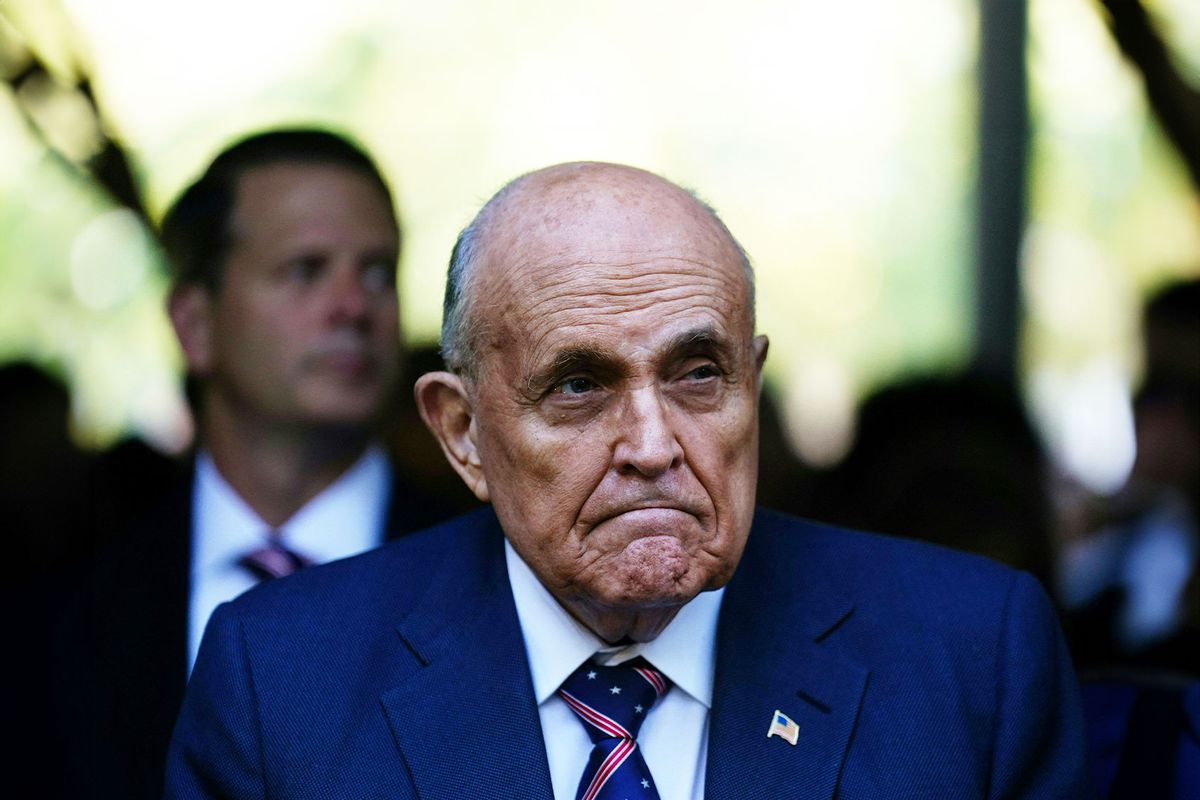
column 648, row 520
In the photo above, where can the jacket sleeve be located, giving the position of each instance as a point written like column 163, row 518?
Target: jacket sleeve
column 216, row 749
column 1038, row 742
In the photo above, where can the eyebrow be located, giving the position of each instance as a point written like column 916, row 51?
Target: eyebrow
column 706, row 340
column 567, row 360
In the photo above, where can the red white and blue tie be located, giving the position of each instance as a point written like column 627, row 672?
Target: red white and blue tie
column 612, row 702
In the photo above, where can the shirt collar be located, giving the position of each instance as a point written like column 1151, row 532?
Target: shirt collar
column 347, row 517
column 225, row 526
column 557, row 643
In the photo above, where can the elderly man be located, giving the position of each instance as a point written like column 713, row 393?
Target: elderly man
column 621, row 623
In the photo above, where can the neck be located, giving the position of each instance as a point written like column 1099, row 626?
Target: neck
column 622, row 626
column 274, row 467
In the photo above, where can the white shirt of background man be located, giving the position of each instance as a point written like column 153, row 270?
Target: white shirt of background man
column 348, row 517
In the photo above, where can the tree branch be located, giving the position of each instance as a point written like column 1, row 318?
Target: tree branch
column 1175, row 103
column 110, row 168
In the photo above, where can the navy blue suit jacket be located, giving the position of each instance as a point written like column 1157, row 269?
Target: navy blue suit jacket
column 911, row 671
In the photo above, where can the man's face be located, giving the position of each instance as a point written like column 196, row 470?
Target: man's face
column 303, row 327
column 615, row 412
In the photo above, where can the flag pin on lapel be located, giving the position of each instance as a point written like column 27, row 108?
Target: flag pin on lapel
column 783, row 727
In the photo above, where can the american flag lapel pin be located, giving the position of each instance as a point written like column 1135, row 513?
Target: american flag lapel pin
column 783, row 727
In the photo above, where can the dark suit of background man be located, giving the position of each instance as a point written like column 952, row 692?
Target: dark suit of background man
column 284, row 259
column 602, row 396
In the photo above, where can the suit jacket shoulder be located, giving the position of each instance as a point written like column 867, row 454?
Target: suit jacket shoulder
column 911, row 671
column 384, row 675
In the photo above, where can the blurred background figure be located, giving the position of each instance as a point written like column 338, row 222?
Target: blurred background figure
column 951, row 460
column 60, row 503
column 1144, row 738
column 284, row 257
column 1132, row 587
column 43, row 475
column 785, row 483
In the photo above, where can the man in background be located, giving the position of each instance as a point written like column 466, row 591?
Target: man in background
column 284, row 257
column 1132, row 586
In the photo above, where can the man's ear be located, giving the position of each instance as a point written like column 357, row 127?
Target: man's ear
column 446, row 408
column 760, row 345
column 190, row 309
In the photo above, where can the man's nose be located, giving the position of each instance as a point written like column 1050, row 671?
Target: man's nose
column 647, row 443
column 349, row 298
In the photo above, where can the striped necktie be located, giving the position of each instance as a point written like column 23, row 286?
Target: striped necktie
column 612, row 702
column 273, row 560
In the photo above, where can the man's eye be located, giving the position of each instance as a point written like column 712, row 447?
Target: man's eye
column 572, row 386
column 702, row 372
column 304, row 270
column 378, row 276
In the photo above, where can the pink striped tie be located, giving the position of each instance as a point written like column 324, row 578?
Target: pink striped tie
column 273, row 560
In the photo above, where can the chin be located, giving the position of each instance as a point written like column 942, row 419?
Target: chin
column 645, row 598
column 655, row 572
column 355, row 411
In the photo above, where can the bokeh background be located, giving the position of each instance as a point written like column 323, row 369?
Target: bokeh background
column 842, row 142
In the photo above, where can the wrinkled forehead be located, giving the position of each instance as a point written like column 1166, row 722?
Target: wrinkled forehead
column 608, row 207
column 608, row 226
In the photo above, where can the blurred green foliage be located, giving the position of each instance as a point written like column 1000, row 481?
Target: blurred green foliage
column 837, row 140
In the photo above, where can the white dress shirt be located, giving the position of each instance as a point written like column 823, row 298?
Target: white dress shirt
column 674, row 737
column 348, row 517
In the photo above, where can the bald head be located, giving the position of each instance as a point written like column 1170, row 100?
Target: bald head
column 605, row 209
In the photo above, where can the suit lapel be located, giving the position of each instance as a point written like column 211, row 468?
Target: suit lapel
column 464, row 715
column 777, row 649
